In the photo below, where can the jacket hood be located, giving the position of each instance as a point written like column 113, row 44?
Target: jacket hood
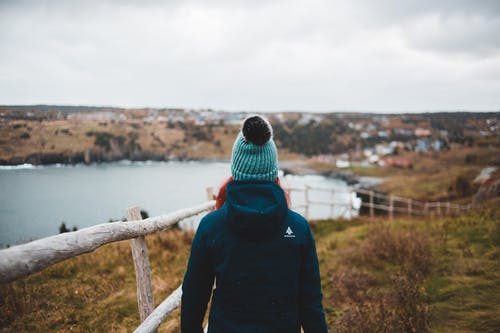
column 255, row 209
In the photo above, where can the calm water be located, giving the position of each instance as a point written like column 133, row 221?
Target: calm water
column 35, row 200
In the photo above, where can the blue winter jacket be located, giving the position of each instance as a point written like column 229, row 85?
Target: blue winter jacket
column 263, row 257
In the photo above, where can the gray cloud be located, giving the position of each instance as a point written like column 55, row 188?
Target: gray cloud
column 451, row 26
column 260, row 55
column 394, row 9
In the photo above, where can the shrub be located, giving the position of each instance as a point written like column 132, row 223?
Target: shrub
column 350, row 285
column 103, row 139
column 408, row 249
column 144, row 214
column 463, row 186
column 25, row 135
column 63, row 228
column 380, row 279
column 66, row 131
column 470, row 158
column 403, row 309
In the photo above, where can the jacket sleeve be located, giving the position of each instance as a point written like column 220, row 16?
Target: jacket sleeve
column 197, row 285
column 312, row 315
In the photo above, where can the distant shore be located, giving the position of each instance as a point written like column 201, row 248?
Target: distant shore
column 97, row 157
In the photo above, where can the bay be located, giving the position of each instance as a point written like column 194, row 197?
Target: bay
column 34, row 200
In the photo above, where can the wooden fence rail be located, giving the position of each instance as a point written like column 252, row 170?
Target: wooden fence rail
column 389, row 203
column 153, row 321
column 21, row 260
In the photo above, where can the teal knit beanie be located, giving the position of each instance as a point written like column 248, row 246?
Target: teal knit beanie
column 255, row 156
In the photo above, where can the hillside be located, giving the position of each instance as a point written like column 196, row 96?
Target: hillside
column 64, row 141
column 439, row 275
column 47, row 134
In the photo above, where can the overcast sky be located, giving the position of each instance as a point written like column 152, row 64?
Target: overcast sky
column 258, row 55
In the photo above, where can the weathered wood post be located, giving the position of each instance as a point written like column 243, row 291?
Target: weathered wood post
column 140, row 254
column 409, row 207
column 210, row 193
column 439, row 208
column 210, row 196
column 448, row 208
column 331, row 204
column 371, row 206
column 306, row 204
column 391, row 207
column 350, row 204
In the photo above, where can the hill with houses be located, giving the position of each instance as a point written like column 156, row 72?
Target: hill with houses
column 47, row 134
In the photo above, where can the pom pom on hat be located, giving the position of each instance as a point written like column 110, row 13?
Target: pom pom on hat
column 254, row 155
column 257, row 130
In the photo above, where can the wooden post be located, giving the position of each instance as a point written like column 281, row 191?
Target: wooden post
column 350, row 204
column 306, row 204
column 439, row 208
column 371, row 206
column 210, row 193
column 448, row 208
column 140, row 254
column 210, row 196
column 391, row 207
column 409, row 208
column 331, row 205
column 426, row 208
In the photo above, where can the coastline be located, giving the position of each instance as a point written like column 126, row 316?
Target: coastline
column 124, row 161
column 295, row 167
column 92, row 157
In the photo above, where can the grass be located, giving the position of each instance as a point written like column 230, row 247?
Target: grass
column 409, row 275
column 433, row 176
column 22, row 138
column 439, row 275
column 94, row 292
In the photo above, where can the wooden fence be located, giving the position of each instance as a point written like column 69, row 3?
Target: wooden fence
column 22, row 260
column 375, row 201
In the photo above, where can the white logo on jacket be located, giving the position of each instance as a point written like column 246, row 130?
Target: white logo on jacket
column 289, row 233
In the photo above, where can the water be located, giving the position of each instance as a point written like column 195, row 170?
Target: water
column 320, row 191
column 35, row 200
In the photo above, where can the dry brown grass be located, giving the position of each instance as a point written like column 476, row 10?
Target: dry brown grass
column 403, row 309
column 434, row 175
column 94, row 292
column 375, row 284
column 22, row 138
column 412, row 275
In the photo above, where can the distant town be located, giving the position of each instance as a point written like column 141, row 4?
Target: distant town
column 92, row 134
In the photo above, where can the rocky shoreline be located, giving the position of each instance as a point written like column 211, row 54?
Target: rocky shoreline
column 90, row 157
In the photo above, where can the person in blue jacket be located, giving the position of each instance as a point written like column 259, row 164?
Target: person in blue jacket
column 261, row 254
